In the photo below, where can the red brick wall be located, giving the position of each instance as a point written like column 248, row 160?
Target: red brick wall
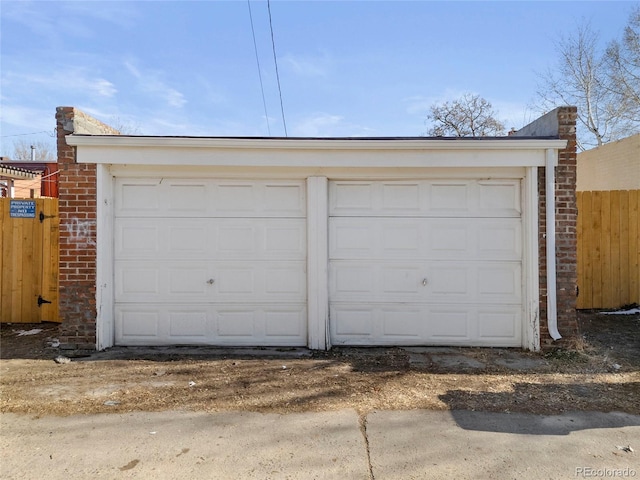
column 77, row 204
column 566, row 239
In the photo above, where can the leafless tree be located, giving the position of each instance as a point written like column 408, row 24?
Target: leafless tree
column 467, row 116
column 623, row 58
column 44, row 151
column 125, row 128
column 585, row 77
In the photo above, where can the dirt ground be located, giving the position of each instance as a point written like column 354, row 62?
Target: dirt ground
column 603, row 374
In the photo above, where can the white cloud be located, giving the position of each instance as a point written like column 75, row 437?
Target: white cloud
column 328, row 125
column 419, row 104
column 514, row 115
column 26, row 117
column 317, row 126
column 308, row 66
column 75, row 79
column 118, row 13
column 150, row 83
column 52, row 19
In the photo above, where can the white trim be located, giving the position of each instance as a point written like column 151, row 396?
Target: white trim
column 311, row 153
column 105, row 326
column 511, row 143
column 550, row 195
column 530, row 262
column 302, row 173
column 317, row 261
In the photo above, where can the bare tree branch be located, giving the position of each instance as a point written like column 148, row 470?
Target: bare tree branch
column 44, row 151
column 601, row 84
column 467, row 116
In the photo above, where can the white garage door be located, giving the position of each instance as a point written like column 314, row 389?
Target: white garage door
column 425, row 262
column 216, row 262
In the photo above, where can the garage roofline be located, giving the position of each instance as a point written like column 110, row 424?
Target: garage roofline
column 328, row 143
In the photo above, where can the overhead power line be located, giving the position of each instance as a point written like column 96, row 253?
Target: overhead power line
column 275, row 61
column 255, row 48
column 23, row 134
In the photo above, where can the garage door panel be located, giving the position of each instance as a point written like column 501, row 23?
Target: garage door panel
column 437, row 324
column 459, row 282
column 450, row 324
column 450, row 198
column 404, row 323
column 137, row 196
column 186, row 198
column 377, row 324
column 136, row 239
column 427, row 198
column 450, row 281
column 425, row 238
column 500, row 283
column 142, row 323
column 351, row 198
column 187, row 281
column 180, row 198
column 499, row 324
column 499, row 239
column 405, row 197
column 203, row 324
column 352, row 321
column 205, row 239
column 499, row 198
column 190, row 324
column 138, row 280
column 284, row 199
column 352, row 278
column 401, row 279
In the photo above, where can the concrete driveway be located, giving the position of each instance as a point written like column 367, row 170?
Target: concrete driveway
column 342, row 445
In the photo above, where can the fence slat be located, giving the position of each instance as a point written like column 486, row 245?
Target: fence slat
column 608, row 249
column 634, row 246
column 614, row 283
column 3, row 297
column 625, row 290
column 50, row 261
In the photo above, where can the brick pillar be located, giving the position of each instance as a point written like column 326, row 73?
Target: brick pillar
column 77, row 206
column 566, row 234
column 77, row 186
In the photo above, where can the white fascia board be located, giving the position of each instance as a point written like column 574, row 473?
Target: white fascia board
column 517, row 143
column 307, row 153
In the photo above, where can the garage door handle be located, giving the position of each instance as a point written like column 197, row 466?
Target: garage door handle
column 424, row 282
column 210, row 281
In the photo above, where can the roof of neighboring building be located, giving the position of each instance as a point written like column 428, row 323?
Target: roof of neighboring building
column 15, row 173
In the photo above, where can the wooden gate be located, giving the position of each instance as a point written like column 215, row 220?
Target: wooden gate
column 608, row 249
column 29, row 241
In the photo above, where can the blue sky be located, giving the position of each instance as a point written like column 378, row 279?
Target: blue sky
column 360, row 68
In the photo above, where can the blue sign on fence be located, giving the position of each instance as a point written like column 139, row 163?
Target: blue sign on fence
column 22, row 209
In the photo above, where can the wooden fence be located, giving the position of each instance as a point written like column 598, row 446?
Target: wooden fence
column 608, row 249
column 29, row 241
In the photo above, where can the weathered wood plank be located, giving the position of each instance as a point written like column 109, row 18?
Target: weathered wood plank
column 5, row 300
column 613, row 281
column 634, row 246
column 624, row 253
column 50, row 259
